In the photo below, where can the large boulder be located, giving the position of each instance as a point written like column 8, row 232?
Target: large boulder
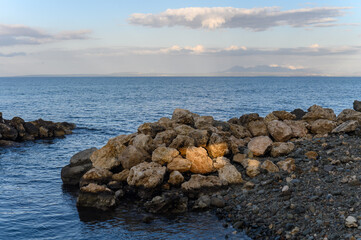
column 151, row 129
column 182, row 129
column 165, row 138
column 349, row 114
column 96, row 196
column 82, row 157
column 349, row 126
column 180, row 164
column 239, row 131
column 258, row 128
column 283, row 115
column 96, row 175
column 280, row 131
column 299, row 113
column 299, row 128
column 164, row 155
column 121, row 176
column 144, row 142
column 175, row 178
column 182, row 142
column 259, row 145
column 217, row 146
column 322, row 126
column 246, row 118
column 132, row 156
column 317, row 112
column 200, row 137
column 147, row 175
column 230, row 174
column 31, row 129
column 197, row 182
column 201, row 162
column 235, row 144
column 18, row 124
column 203, row 122
column 8, row 132
column 281, row 149
column 357, row 105
column 183, row 116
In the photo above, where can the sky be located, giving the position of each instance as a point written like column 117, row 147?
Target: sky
column 144, row 37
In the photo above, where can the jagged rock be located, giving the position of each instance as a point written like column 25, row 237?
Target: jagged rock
column 252, row 169
column 230, row 174
column 322, row 126
column 179, row 164
column 18, row 124
column 95, row 196
column 239, row 131
column 204, row 122
column 234, row 121
column 357, row 105
column 221, row 126
column 31, row 129
column 299, row 113
column 165, row 138
column 182, row 142
column 183, row 129
column 217, row 146
column 281, row 149
column 122, row 176
column 235, row 144
column 239, row 157
column 151, row 129
column 8, row 132
column 169, row 202
column 283, row 115
column 246, row 118
column 147, row 175
column 164, row 155
column 144, row 142
column 269, row 166
column 166, row 123
column 349, row 126
column 197, row 182
column 258, row 128
column 299, row 128
column 175, row 178
column 259, row 145
column 96, row 175
column 201, row 162
column 316, row 112
column 270, row 117
column 202, row 202
column 220, row 162
column 349, row 114
column 183, row 116
column 200, row 137
column 280, row 131
column 132, row 156
column 287, row 165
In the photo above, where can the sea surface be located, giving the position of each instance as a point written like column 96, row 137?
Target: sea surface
column 35, row 205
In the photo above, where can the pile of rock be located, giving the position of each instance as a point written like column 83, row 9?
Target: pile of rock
column 17, row 130
column 174, row 164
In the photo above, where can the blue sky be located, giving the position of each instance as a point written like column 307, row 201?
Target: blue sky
column 180, row 37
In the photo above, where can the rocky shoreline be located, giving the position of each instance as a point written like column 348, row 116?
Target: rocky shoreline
column 17, row 130
column 289, row 175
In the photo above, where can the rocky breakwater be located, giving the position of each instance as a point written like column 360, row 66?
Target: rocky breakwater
column 17, row 130
column 269, row 176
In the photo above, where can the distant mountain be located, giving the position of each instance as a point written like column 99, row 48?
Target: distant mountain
column 265, row 69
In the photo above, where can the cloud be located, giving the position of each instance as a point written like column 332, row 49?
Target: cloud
column 255, row 19
column 15, row 54
column 11, row 34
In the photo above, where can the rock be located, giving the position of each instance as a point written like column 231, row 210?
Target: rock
column 132, row 156
column 175, row 178
column 239, row 158
column 197, row 182
column 246, row 118
column 299, row 129
column 108, row 156
column 170, row 202
column 357, row 105
column 349, row 126
column 82, row 157
column 200, row 137
column 165, row 138
column 31, row 129
column 347, row 115
column 6, row 143
column 204, row 122
column 18, row 124
column 239, row 131
column 299, row 113
column 164, row 155
column 311, row 155
column 220, row 162
column 182, row 129
column 183, row 116
column 122, row 176
column 202, row 202
column 95, row 196
column 269, row 166
column 71, row 175
column 217, row 146
column 322, row 126
column 230, row 174
column 248, row 185
column 283, row 115
column 147, row 175
column 182, row 142
column 144, row 142
column 235, row 144
column 316, row 112
column 221, row 126
column 281, row 149
column 351, row 222
column 8, row 132
column 258, row 128
column 252, row 169
column 287, row 165
column 179, row 164
column 218, row 202
column 270, row 117
column 44, row 132
column 201, row 163
column 96, row 175
column 280, row 131
column 151, row 129
column 259, row 145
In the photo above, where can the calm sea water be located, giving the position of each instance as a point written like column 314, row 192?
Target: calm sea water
column 33, row 203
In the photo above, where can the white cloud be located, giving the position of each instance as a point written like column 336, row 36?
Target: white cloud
column 256, row 19
column 12, row 34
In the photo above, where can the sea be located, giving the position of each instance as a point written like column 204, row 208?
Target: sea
column 35, row 205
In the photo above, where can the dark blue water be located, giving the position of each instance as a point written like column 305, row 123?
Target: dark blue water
column 33, row 204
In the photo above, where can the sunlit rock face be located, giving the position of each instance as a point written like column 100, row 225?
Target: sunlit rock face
column 147, row 175
column 280, row 131
column 259, row 145
column 201, row 162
